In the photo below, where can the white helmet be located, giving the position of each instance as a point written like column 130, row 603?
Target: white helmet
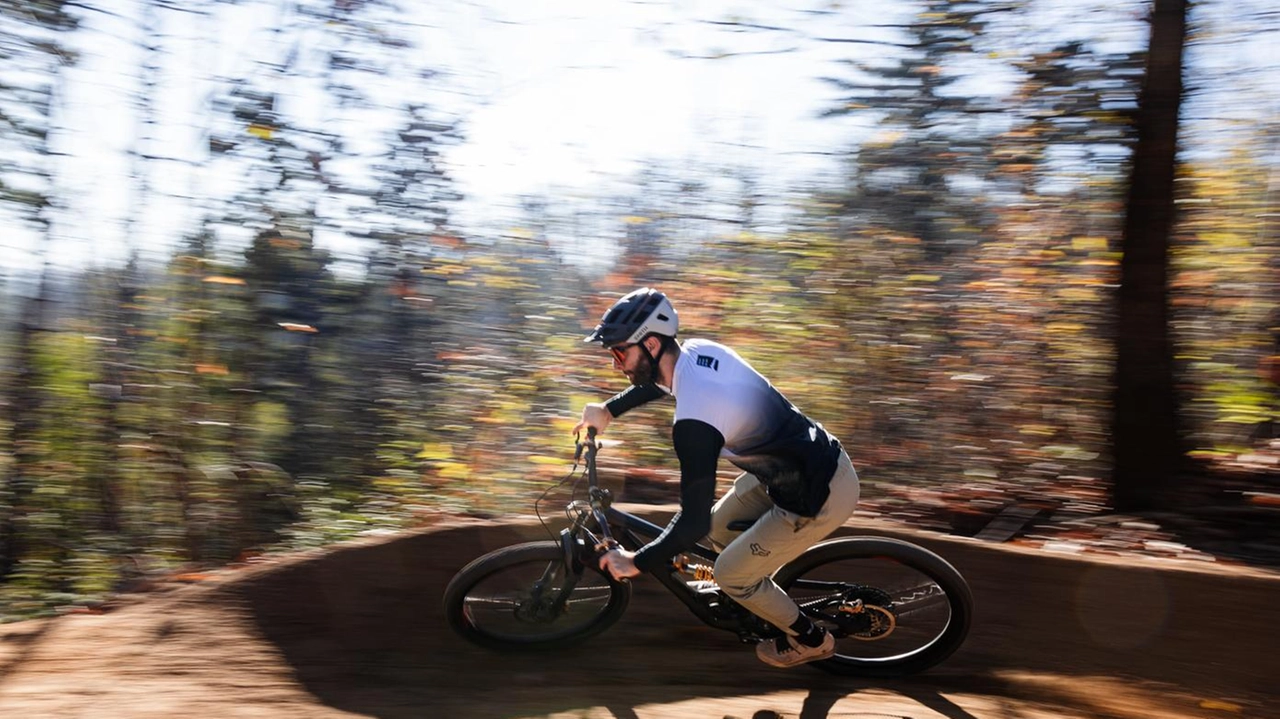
column 636, row 315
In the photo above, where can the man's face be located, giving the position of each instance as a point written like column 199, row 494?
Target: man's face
column 633, row 362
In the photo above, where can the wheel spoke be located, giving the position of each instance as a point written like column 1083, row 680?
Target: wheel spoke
column 887, row 603
column 919, row 599
column 521, row 597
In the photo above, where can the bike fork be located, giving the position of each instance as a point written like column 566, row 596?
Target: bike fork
column 572, row 572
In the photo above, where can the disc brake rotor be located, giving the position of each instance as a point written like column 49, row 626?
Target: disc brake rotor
column 866, row 622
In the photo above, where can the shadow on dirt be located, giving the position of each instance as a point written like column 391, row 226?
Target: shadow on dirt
column 818, row 704
column 364, row 631
column 20, row 646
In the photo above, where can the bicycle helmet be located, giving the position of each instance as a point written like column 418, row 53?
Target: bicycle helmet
column 637, row 314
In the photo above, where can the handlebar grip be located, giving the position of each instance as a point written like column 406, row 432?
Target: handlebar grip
column 591, row 440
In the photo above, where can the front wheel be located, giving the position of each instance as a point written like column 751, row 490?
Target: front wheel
column 522, row 597
column 895, row 608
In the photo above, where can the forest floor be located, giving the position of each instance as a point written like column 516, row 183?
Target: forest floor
column 1109, row 623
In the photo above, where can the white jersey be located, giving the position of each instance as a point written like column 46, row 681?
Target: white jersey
column 764, row 434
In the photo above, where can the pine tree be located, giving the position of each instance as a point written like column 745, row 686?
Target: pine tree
column 929, row 138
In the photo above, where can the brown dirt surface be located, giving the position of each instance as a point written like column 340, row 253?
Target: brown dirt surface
column 357, row 630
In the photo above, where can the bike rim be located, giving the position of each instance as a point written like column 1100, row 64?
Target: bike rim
column 526, row 602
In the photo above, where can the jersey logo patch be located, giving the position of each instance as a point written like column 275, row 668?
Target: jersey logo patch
column 711, row 362
column 758, row 550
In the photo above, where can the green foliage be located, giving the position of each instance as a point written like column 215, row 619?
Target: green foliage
column 972, row 373
column 951, row 334
column 1225, row 317
column 270, row 421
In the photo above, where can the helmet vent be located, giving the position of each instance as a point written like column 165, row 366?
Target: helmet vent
column 644, row 311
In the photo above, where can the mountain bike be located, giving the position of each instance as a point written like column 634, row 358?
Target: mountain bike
column 894, row 607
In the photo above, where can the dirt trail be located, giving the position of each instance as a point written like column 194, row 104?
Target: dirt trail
column 357, row 630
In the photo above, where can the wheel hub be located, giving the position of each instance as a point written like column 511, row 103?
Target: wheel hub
column 538, row 607
column 865, row 622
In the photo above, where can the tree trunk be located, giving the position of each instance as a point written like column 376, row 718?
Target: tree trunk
column 24, row 407
column 1147, row 448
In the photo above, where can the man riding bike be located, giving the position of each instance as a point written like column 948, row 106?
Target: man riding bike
column 798, row 484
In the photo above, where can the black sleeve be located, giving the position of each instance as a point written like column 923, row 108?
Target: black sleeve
column 633, row 397
column 698, row 447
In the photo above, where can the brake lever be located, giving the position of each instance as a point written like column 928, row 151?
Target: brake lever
column 603, row 547
column 580, row 445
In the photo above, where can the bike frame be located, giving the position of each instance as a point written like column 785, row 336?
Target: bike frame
column 635, row 533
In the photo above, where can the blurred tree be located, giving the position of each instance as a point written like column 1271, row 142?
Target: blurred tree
column 955, row 335
column 414, row 189
column 919, row 174
column 33, row 41
column 1072, row 101
column 669, row 213
column 121, row 322
column 291, row 288
column 402, row 210
column 652, row 227
column 285, row 182
column 1224, row 280
column 202, row 434
column 393, row 334
column 1148, row 451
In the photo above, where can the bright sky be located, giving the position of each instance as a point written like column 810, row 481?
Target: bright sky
column 597, row 91
column 555, row 95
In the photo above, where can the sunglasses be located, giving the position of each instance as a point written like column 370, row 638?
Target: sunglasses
column 619, row 352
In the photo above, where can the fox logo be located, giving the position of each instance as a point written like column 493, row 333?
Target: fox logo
column 758, row 550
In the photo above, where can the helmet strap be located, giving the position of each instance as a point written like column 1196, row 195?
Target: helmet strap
column 662, row 348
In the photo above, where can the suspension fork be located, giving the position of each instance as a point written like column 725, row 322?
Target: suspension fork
column 570, row 546
column 574, row 550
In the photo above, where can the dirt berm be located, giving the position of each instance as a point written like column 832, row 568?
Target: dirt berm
column 358, row 630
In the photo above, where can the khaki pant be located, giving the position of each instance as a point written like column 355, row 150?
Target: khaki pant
column 748, row 559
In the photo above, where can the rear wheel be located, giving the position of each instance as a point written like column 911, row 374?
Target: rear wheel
column 895, row 608
column 521, row 597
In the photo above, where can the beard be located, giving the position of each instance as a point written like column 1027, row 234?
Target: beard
column 645, row 372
